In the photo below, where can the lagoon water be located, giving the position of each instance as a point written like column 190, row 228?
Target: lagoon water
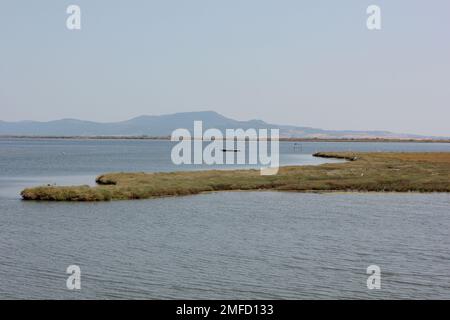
column 225, row 245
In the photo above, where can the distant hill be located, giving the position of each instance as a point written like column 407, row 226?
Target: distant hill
column 163, row 125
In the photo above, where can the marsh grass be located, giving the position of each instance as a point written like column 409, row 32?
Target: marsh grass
column 381, row 172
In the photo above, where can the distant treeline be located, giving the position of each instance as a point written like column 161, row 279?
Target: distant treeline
column 144, row 137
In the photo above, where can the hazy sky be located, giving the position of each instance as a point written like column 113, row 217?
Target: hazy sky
column 311, row 63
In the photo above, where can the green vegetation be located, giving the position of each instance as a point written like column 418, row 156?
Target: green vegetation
column 399, row 172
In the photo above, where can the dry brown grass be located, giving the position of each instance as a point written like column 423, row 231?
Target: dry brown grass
column 389, row 172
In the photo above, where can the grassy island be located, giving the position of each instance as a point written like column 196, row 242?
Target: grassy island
column 381, row 172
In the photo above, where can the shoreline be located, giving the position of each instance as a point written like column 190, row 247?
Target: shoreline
column 363, row 172
column 167, row 138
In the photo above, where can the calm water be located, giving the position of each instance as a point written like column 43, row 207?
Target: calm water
column 221, row 245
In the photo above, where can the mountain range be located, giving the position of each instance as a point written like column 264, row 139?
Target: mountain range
column 163, row 125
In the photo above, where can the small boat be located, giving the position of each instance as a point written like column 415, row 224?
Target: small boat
column 230, row 150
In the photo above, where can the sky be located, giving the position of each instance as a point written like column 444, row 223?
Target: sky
column 308, row 63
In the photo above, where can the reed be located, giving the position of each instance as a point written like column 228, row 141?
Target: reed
column 380, row 172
